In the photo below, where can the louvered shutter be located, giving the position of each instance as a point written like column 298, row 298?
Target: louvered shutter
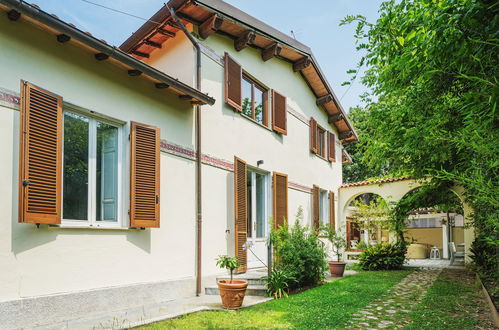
column 331, row 147
column 241, row 211
column 280, row 194
column 233, row 89
column 144, row 175
column 313, row 135
column 279, row 113
column 315, row 207
column 40, row 165
column 331, row 211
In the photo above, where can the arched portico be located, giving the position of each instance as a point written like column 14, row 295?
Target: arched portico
column 393, row 190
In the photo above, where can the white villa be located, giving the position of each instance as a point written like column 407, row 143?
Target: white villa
column 126, row 172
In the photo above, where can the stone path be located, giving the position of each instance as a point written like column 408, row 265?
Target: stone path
column 391, row 310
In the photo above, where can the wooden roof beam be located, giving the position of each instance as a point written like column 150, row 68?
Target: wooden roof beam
column 345, row 135
column 336, row 118
column 166, row 33
column 173, row 24
column 302, row 63
column 324, row 99
column 134, row 73
column 152, row 44
column 210, row 26
column 246, row 38
column 62, row 38
column 101, row 56
column 13, row 15
column 141, row 54
column 271, row 51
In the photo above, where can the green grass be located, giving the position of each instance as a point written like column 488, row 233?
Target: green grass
column 454, row 301
column 327, row 306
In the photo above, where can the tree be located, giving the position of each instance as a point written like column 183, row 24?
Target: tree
column 433, row 67
column 372, row 215
column 359, row 169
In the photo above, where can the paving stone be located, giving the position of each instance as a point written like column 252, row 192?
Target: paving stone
column 401, row 298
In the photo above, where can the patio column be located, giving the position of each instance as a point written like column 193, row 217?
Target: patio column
column 445, row 242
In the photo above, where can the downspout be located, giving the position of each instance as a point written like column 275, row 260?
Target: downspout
column 197, row 110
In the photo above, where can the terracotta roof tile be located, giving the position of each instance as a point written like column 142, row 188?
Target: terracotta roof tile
column 376, row 181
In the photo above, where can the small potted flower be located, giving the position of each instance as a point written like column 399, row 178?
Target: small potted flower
column 232, row 291
column 337, row 268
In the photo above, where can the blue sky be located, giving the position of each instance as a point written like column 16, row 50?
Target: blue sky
column 317, row 26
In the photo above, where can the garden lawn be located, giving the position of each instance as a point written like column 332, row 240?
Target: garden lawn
column 327, row 306
column 454, row 301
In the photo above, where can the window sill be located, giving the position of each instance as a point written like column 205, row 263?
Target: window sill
column 323, row 158
column 255, row 122
column 76, row 226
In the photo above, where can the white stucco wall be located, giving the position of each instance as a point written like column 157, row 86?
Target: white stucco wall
column 44, row 261
column 226, row 134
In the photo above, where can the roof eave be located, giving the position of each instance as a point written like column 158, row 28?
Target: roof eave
column 113, row 52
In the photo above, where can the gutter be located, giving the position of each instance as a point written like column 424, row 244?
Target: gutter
column 113, row 52
column 199, row 209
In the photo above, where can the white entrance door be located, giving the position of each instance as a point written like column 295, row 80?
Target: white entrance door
column 258, row 215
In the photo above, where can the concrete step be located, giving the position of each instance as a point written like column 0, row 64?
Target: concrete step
column 251, row 290
column 252, row 279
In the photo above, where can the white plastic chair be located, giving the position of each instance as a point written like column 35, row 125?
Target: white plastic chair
column 455, row 254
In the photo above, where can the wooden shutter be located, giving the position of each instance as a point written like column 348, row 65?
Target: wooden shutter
column 279, row 113
column 241, row 212
column 233, row 89
column 331, row 147
column 40, row 165
column 144, row 175
column 313, row 135
column 331, row 211
column 280, row 194
column 316, row 207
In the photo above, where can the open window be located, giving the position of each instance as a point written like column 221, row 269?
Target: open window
column 255, row 100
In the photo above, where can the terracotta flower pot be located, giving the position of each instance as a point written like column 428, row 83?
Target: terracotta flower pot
column 232, row 293
column 337, row 268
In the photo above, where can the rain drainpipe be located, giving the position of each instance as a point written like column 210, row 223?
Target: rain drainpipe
column 197, row 110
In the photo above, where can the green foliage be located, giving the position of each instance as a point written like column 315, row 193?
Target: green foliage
column 228, row 262
column 361, row 245
column 336, row 239
column 358, row 170
column 383, row 256
column 432, row 67
column 371, row 215
column 300, row 253
column 278, row 283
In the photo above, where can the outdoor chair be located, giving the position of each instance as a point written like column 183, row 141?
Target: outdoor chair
column 455, row 254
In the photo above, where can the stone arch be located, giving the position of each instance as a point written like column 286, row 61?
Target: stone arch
column 393, row 190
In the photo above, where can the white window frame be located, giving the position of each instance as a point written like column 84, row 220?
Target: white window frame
column 92, row 222
column 267, row 198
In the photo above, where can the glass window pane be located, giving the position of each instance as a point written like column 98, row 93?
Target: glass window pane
column 107, row 172
column 246, row 89
column 259, row 102
column 75, row 186
column 260, row 205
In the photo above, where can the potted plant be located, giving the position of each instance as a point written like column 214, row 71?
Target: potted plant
column 337, row 268
column 232, row 291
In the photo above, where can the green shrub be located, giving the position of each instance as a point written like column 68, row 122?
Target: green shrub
column 278, row 283
column 299, row 252
column 383, row 256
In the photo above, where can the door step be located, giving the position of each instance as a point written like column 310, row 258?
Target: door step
column 251, row 290
column 253, row 279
